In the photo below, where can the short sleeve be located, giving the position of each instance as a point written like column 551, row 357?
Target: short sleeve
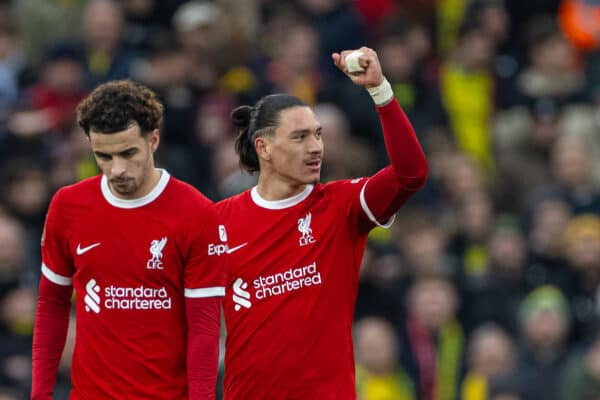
column 57, row 261
column 205, row 264
column 358, row 211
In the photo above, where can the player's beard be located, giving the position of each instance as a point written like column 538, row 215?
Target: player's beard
column 130, row 186
column 125, row 186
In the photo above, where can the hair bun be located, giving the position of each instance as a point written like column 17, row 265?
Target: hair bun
column 240, row 117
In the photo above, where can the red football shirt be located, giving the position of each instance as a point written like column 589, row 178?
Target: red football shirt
column 291, row 291
column 132, row 263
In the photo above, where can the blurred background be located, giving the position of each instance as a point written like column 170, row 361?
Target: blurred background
column 488, row 284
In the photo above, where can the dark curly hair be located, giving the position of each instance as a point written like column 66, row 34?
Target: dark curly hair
column 114, row 106
column 260, row 120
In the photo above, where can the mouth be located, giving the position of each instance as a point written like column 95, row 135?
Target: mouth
column 313, row 165
column 120, row 181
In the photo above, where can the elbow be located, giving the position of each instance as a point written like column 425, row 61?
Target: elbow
column 417, row 179
column 423, row 173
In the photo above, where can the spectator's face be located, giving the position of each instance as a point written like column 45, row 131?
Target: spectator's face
column 225, row 161
column 202, row 40
column 545, row 329
column 418, row 42
column 294, row 152
column 334, row 122
column 583, row 254
column 18, row 311
column 493, row 355
column 299, row 49
column 376, row 346
column 475, row 214
column 126, row 158
column 387, row 269
column 508, row 251
column 460, row 175
column 8, row 44
column 549, row 223
column 424, row 250
column 397, row 60
column 11, row 248
column 433, row 302
column 103, row 25
column 554, row 55
column 495, row 21
column 478, row 50
column 571, row 162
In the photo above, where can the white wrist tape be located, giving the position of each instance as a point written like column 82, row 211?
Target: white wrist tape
column 352, row 61
column 381, row 94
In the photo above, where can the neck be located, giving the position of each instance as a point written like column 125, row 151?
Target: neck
column 275, row 189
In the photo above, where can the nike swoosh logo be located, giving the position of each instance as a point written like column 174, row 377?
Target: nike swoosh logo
column 236, row 248
column 81, row 250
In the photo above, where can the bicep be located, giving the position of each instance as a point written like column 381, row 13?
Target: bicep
column 206, row 261
column 381, row 196
column 57, row 260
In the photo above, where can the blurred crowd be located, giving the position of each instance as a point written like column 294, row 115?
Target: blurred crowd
column 488, row 284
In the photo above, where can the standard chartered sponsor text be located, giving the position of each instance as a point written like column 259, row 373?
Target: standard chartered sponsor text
column 136, row 298
column 287, row 281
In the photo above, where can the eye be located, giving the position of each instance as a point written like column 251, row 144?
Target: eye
column 128, row 153
column 318, row 134
column 104, row 157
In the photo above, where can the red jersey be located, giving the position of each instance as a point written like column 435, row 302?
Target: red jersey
column 132, row 263
column 291, row 291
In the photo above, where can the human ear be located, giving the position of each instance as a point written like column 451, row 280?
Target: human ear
column 154, row 140
column 263, row 148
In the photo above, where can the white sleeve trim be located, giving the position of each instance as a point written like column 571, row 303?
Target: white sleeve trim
column 204, row 292
column 56, row 278
column 367, row 211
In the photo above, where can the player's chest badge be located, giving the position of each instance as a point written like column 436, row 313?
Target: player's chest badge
column 156, row 253
column 306, row 233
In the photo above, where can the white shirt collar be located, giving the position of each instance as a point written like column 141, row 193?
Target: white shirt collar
column 139, row 202
column 280, row 204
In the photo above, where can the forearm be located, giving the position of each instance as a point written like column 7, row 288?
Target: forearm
column 406, row 155
column 49, row 335
column 390, row 188
column 203, row 316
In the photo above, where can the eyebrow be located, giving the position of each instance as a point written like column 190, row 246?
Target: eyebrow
column 298, row 131
column 120, row 153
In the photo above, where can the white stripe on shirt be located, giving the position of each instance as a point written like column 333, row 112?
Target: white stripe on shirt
column 205, row 292
column 56, row 278
column 367, row 211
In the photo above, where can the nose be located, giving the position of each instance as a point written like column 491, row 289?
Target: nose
column 118, row 167
column 315, row 145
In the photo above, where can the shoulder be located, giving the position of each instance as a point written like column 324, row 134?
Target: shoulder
column 69, row 202
column 342, row 186
column 187, row 196
column 233, row 202
column 78, row 192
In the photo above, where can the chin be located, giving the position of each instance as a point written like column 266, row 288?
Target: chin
column 314, row 179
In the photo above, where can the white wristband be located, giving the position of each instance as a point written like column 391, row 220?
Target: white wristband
column 381, row 94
